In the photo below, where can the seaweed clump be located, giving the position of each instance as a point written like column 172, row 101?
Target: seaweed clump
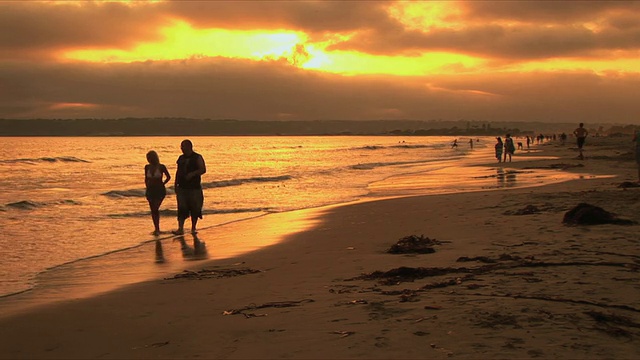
column 414, row 244
column 586, row 214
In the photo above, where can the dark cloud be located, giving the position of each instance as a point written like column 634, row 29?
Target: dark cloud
column 36, row 28
column 490, row 41
column 535, row 30
column 223, row 88
column 311, row 16
column 541, row 12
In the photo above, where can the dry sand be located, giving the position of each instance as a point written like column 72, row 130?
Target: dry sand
column 531, row 288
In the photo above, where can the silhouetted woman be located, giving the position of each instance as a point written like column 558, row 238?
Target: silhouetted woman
column 156, row 176
column 499, row 146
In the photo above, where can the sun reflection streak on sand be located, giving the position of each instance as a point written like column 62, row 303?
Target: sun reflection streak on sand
column 489, row 178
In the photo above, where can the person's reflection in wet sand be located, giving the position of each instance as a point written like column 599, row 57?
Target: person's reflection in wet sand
column 196, row 252
column 500, row 177
column 159, row 253
column 505, row 178
column 187, row 251
column 199, row 248
column 511, row 178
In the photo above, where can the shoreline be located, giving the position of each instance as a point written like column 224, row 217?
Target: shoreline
column 52, row 287
column 316, row 305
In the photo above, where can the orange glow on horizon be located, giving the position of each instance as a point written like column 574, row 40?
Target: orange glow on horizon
column 61, row 106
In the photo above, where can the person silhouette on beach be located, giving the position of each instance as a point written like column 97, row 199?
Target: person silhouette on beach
column 188, row 186
column 156, row 176
column 636, row 139
column 499, row 146
column 563, row 138
column 454, row 144
column 509, row 148
column 581, row 135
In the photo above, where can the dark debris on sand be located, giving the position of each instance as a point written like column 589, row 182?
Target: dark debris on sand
column 212, row 273
column 613, row 324
column 527, row 210
column 560, row 166
column 587, row 214
column 274, row 304
column 414, row 244
column 629, row 184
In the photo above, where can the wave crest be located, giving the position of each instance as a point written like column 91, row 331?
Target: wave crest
column 32, row 205
column 45, row 160
column 171, row 212
column 116, row 194
column 236, row 182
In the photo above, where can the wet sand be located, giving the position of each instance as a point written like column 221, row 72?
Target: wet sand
column 507, row 280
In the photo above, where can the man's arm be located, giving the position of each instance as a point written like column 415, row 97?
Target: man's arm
column 200, row 170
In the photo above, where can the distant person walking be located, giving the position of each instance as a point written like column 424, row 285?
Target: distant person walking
column 454, row 144
column 156, row 176
column 563, row 138
column 509, row 148
column 636, row 139
column 188, row 186
column 499, row 147
column 471, row 143
column 581, row 135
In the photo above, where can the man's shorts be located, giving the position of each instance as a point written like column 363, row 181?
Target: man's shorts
column 190, row 202
column 581, row 142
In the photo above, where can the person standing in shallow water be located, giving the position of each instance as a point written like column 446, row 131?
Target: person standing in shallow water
column 509, row 148
column 636, row 139
column 188, row 186
column 499, row 146
column 156, row 176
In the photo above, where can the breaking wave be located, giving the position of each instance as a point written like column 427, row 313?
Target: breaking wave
column 69, row 159
column 169, row 212
column 32, row 205
column 236, row 182
column 205, row 185
column 399, row 146
column 371, row 166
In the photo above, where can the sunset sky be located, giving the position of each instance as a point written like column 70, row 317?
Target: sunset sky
column 550, row 61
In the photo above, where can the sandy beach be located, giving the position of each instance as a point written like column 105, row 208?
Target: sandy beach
column 507, row 279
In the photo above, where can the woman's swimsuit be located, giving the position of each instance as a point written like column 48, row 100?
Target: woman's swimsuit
column 155, row 187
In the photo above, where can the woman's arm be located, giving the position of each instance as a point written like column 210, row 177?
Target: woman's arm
column 146, row 178
column 166, row 174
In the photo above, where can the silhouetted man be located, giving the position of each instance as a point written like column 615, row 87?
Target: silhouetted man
column 188, row 186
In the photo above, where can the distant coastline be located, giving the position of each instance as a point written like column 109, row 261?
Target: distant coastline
column 232, row 127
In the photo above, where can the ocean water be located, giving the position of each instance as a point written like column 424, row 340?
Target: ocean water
column 78, row 202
